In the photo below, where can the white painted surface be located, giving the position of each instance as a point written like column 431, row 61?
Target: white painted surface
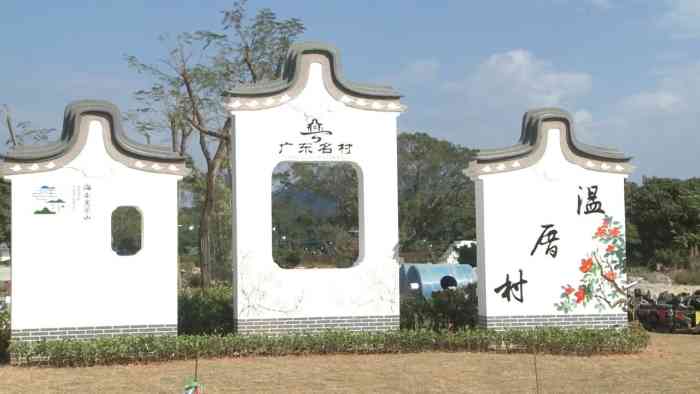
column 370, row 287
column 512, row 207
column 64, row 272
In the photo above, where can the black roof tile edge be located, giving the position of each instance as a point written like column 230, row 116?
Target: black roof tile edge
column 290, row 74
column 71, row 128
column 531, row 134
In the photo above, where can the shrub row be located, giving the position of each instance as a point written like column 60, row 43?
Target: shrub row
column 446, row 309
column 124, row 350
column 4, row 333
column 205, row 312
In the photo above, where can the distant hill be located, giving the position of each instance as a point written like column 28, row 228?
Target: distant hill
column 319, row 206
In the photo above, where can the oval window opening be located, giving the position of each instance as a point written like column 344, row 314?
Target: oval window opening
column 127, row 234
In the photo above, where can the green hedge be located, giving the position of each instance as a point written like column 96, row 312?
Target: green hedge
column 4, row 333
column 446, row 309
column 205, row 312
column 124, row 350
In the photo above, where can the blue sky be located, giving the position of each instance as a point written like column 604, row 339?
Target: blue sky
column 629, row 71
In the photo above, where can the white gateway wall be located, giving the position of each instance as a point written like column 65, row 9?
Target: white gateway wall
column 576, row 275
column 268, row 294
column 64, row 271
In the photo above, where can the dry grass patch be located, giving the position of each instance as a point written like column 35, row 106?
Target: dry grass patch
column 670, row 365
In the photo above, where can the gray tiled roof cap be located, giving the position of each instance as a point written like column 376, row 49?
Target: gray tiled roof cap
column 530, row 133
column 71, row 124
column 290, row 75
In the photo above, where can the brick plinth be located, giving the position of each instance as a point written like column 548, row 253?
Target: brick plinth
column 37, row 334
column 317, row 324
column 564, row 321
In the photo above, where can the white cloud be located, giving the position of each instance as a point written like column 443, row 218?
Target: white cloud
column 484, row 108
column 650, row 102
column 682, row 18
column 676, row 93
column 519, row 79
column 660, row 126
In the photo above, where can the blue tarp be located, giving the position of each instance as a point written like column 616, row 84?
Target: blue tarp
column 434, row 277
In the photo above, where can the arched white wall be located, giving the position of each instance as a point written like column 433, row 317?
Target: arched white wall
column 268, row 294
column 64, row 271
column 511, row 208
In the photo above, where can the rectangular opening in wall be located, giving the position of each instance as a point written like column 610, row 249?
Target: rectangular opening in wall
column 315, row 215
column 127, row 231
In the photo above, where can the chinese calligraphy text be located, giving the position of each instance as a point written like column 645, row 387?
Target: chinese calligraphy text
column 316, row 144
column 547, row 238
column 512, row 289
column 592, row 203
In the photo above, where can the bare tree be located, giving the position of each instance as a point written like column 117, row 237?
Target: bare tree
column 188, row 84
column 21, row 132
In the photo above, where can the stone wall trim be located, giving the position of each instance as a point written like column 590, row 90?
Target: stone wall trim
column 58, row 333
column 568, row 321
column 317, row 324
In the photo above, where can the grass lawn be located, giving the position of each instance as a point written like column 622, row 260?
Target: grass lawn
column 671, row 364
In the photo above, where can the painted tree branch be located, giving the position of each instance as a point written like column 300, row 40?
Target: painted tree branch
column 611, row 281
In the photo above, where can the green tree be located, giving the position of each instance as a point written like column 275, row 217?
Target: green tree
column 634, row 252
column 666, row 216
column 336, row 182
column 436, row 200
column 315, row 214
column 185, row 96
column 466, row 254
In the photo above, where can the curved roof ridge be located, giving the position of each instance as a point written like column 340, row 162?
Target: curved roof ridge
column 71, row 129
column 291, row 72
column 530, row 136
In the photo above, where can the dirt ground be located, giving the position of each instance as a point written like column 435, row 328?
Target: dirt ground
column 669, row 365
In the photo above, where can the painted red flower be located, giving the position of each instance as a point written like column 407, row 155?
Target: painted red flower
column 615, row 232
column 586, row 264
column 601, row 231
column 610, row 275
column 568, row 290
column 611, row 248
column 580, row 294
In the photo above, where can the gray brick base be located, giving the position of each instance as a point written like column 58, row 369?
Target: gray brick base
column 317, row 324
column 564, row 321
column 37, row 334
